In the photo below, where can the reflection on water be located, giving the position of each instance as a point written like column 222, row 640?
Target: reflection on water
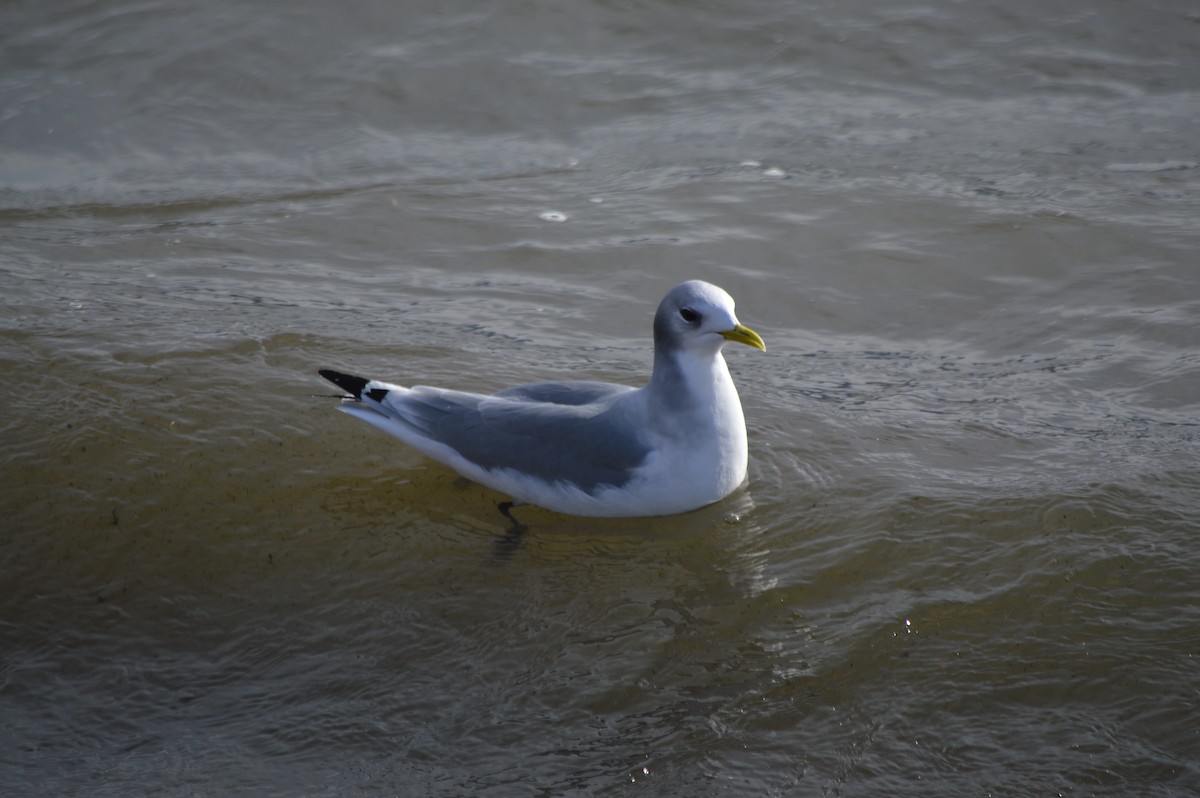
column 965, row 559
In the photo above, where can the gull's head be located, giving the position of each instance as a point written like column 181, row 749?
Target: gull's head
column 698, row 317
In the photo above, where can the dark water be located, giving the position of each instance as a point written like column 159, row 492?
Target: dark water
column 966, row 559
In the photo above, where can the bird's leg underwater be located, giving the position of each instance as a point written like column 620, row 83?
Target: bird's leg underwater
column 511, row 540
column 517, row 529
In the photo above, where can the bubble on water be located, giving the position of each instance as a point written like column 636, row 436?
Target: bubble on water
column 552, row 216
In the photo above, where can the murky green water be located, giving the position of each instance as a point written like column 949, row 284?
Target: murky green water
column 966, row 559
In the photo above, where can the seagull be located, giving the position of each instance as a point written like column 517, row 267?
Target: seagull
column 597, row 449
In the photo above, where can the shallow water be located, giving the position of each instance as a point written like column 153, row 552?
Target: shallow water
column 966, row 559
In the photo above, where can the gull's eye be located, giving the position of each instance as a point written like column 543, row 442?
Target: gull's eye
column 689, row 315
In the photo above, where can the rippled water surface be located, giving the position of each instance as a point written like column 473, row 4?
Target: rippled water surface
column 966, row 560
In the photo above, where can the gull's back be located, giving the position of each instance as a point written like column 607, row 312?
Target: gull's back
column 581, row 433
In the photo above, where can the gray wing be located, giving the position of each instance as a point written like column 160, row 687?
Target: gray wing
column 578, row 436
column 578, row 392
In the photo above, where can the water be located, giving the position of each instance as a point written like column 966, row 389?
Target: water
column 965, row 562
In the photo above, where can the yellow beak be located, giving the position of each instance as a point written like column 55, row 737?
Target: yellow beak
column 744, row 335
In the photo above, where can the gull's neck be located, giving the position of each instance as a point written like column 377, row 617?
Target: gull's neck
column 685, row 380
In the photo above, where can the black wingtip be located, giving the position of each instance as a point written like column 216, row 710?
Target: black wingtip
column 347, row 382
